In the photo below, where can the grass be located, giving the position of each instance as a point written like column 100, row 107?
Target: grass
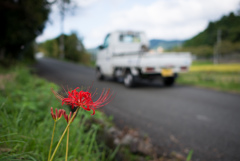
column 223, row 77
column 26, row 124
column 199, row 63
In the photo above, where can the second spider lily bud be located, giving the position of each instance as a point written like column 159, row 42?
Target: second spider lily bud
column 68, row 117
column 58, row 114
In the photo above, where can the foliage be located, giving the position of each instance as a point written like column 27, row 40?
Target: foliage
column 50, row 48
column 227, row 47
column 230, row 31
column 26, row 123
column 74, row 49
column 22, row 21
column 200, row 51
column 189, row 155
column 204, row 43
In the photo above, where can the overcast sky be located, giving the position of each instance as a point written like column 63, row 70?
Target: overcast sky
column 160, row 19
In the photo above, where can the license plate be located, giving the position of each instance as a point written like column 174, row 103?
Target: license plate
column 167, row 72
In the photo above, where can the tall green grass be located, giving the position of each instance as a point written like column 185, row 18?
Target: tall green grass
column 26, row 124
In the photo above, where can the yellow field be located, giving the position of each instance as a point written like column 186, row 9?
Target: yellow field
column 223, row 77
column 216, row 68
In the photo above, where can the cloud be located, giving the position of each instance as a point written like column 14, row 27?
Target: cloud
column 170, row 19
column 162, row 19
column 85, row 3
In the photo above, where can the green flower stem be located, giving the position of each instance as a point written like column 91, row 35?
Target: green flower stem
column 67, row 145
column 52, row 140
column 60, row 140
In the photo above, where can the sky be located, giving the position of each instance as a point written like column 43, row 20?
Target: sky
column 92, row 20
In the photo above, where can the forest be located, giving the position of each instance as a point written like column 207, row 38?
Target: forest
column 222, row 36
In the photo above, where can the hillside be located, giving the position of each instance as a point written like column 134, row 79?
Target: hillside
column 221, row 38
column 228, row 28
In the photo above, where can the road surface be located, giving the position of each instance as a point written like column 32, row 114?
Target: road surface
column 179, row 118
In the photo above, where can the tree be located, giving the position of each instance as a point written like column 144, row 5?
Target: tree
column 74, row 48
column 50, row 48
column 21, row 22
column 64, row 6
column 230, row 31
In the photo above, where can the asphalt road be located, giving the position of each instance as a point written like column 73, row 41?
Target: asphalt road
column 179, row 118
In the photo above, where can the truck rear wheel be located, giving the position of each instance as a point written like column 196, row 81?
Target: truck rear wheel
column 128, row 80
column 99, row 74
column 169, row 81
column 115, row 77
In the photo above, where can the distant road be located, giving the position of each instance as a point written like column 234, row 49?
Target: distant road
column 180, row 118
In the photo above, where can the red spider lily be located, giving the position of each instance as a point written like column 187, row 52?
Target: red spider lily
column 68, row 117
column 84, row 99
column 58, row 114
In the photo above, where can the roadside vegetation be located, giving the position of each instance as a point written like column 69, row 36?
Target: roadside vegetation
column 26, row 126
column 26, row 123
column 74, row 49
column 223, row 77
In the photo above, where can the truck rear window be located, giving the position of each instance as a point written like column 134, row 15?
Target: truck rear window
column 129, row 38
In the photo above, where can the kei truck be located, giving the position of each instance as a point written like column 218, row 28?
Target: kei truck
column 125, row 56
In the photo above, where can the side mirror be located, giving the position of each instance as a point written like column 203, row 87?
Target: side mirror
column 100, row 47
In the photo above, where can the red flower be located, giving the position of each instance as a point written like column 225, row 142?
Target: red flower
column 68, row 117
column 85, row 99
column 58, row 114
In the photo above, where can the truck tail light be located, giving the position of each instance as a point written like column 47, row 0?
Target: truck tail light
column 150, row 69
column 184, row 68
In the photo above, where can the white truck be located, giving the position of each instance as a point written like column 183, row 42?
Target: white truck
column 124, row 55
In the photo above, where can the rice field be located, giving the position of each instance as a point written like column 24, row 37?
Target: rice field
column 223, row 77
column 216, row 68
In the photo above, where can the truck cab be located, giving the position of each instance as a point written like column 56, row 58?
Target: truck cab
column 117, row 43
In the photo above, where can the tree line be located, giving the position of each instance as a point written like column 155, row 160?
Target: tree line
column 21, row 22
column 74, row 49
column 222, row 35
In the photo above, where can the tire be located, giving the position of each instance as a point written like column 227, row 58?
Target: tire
column 99, row 74
column 114, row 77
column 169, row 81
column 128, row 80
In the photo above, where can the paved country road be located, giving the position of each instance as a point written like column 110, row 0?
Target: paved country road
column 179, row 118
